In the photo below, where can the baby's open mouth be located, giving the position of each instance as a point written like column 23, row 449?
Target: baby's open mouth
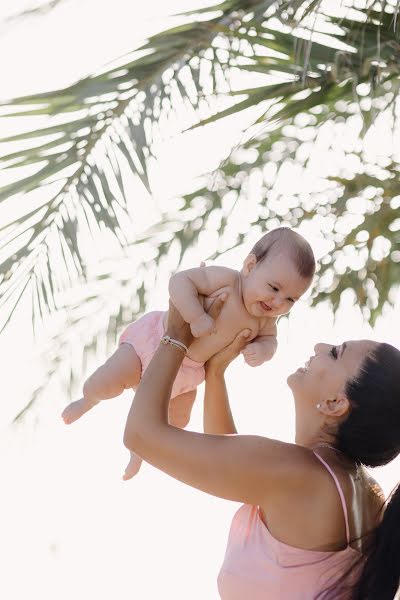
column 265, row 306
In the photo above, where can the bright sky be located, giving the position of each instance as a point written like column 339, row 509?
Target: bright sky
column 70, row 528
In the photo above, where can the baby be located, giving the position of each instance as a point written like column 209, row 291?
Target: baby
column 278, row 270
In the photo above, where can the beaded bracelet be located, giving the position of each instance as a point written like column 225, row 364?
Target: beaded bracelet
column 168, row 340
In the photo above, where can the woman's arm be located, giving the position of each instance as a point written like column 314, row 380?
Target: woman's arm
column 236, row 467
column 217, row 417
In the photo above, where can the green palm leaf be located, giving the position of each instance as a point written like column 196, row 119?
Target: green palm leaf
column 93, row 135
column 94, row 313
column 119, row 110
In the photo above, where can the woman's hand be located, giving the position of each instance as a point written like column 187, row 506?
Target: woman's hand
column 179, row 330
column 220, row 361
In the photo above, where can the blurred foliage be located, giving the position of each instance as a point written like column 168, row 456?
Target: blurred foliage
column 359, row 218
column 35, row 10
column 94, row 315
column 316, row 65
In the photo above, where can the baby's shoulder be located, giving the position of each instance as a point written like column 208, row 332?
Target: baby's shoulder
column 225, row 273
column 222, row 279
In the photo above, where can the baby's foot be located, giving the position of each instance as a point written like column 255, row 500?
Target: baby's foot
column 75, row 410
column 133, row 467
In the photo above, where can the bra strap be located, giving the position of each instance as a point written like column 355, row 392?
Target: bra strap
column 342, row 498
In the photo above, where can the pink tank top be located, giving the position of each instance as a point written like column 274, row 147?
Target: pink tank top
column 259, row 567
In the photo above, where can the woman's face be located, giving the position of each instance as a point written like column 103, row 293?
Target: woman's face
column 325, row 374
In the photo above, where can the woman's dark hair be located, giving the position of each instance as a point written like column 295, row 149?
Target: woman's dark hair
column 380, row 576
column 371, row 436
column 293, row 243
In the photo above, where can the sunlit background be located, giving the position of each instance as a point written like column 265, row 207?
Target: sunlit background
column 70, row 527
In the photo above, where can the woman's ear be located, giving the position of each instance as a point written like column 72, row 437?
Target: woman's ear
column 249, row 263
column 337, row 407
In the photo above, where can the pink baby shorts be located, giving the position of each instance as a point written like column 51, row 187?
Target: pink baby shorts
column 144, row 336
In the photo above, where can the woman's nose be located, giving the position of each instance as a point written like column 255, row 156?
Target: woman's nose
column 320, row 347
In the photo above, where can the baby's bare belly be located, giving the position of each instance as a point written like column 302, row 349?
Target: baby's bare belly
column 232, row 319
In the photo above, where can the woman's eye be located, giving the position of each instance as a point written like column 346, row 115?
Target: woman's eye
column 333, row 352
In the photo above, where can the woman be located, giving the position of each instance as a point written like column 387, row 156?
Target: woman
column 308, row 507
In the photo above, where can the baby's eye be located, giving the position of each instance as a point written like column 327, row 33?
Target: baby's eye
column 274, row 288
column 333, row 352
column 291, row 300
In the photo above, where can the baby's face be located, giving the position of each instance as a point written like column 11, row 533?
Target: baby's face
column 270, row 288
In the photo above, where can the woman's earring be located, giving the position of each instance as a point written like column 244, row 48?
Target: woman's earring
column 318, row 406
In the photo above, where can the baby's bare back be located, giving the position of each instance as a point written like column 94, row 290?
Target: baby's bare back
column 232, row 319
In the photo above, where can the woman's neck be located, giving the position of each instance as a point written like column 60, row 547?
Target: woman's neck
column 310, row 439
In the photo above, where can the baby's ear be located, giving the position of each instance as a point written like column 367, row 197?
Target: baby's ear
column 249, row 263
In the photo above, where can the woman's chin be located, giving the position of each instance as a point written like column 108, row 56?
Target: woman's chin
column 289, row 379
column 293, row 376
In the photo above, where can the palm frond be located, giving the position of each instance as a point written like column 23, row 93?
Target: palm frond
column 358, row 213
column 101, row 128
column 94, row 314
column 98, row 132
column 36, row 11
column 87, row 140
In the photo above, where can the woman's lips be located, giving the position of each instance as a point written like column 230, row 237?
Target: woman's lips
column 305, row 368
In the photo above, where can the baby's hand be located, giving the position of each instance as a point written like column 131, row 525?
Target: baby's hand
column 256, row 353
column 203, row 325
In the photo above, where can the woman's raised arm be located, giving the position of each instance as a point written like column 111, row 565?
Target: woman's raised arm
column 217, row 416
column 236, row 467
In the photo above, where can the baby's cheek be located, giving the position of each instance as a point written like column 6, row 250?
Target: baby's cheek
column 286, row 309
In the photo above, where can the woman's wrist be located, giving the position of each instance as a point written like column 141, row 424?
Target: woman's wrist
column 215, row 370
column 180, row 335
column 166, row 340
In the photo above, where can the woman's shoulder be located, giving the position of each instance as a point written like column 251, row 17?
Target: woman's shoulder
column 295, row 465
column 302, row 473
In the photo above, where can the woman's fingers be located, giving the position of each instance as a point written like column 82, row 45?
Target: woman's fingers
column 234, row 348
column 241, row 338
column 177, row 327
column 218, row 301
column 174, row 316
column 216, row 306
column 225, row 356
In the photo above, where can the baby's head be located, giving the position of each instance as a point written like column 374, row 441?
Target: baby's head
column 279, row 269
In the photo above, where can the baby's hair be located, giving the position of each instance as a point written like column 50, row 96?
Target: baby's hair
column 287, row 240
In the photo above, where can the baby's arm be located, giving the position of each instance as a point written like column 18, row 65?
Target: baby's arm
column 263, row 347
column 185, row 288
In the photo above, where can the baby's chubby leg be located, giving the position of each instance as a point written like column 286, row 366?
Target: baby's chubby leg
column 180, row 408
column 120, row 372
